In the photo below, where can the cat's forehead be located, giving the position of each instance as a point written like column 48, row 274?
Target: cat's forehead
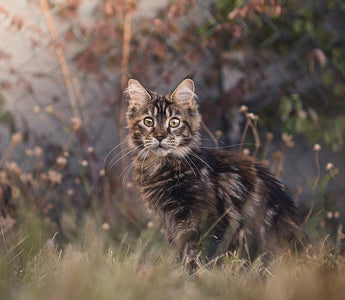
column 163, row 106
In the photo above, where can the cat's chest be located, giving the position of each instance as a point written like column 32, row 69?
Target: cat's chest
column 165, row 188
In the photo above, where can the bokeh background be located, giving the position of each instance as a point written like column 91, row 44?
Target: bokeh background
column 64, row 65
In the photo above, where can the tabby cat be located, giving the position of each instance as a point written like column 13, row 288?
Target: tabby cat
column 210, row 202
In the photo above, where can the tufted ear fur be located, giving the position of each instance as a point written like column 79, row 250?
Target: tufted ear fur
column 184, row 94
column 138, row 95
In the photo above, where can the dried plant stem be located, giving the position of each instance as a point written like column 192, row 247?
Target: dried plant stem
column 266, row 147
column 256, row 137
column 7, row 154
column 209, row 132
column 338, row 240
column 61, row 58
column 245, row 130
column 317, row 169
column 124, row 71
column 306, row 219
column 3, row 237
column 280, row 167
column 314, row 186
column 250, row 124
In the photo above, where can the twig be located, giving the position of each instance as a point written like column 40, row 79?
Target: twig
column 209, row 132
column 61, row 58
column 256, row 137
column 124, row 71
column 3, row 236
column 280, row 166
column 130, row 4
column 306, row 219
column 269, row 138
column 318, row 170
column 245, row 130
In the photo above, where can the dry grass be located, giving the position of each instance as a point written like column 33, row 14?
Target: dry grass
column 97, row 266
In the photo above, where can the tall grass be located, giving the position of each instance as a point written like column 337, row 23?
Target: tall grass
column 97, row 265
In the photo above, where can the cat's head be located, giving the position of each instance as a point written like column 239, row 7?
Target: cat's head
column 164, row 125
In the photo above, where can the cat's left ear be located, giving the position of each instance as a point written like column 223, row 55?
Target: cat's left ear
column 138, row 95
column 184, row 94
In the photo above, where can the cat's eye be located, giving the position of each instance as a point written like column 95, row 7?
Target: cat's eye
column 148, row 122
column 174, row 122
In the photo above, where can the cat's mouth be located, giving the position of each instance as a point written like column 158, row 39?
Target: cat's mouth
column 160, row 148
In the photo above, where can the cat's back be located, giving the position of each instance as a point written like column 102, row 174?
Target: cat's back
column 256, row 200
column 241, row 179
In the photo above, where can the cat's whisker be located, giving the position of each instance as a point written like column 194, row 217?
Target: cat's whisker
column 116, row 158
column 112, row 150
column 126, row 170
column 196, row 167
column 185, row 159
column 203, row 161
column 228, row 147
column 112, row 164
column 210, row 140
column 142, row 166
column 112, row 157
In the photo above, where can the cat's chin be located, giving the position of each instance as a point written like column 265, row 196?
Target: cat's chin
column 161, row 151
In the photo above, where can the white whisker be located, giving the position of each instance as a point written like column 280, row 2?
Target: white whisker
column 198, row 157
column 124, row 154
column 112, row 150
column 142, row 165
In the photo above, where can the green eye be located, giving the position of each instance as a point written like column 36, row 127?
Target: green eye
column 148, row 122
column 174, row 122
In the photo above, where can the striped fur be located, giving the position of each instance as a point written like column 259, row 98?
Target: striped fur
column 209, row 201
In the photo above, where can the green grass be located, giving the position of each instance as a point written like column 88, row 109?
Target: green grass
column 98, row 266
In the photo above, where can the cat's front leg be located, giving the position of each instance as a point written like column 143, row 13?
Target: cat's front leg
column 192, row 257
column 185, row 237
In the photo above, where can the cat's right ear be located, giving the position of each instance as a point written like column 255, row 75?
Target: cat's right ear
column 137, row 94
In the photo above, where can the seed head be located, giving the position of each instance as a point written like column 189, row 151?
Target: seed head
column 61, row 162
column 16, row 139
column 243, row 108
column 38, row 151
column 317, row 147
column 329, row 166
column 76, row 123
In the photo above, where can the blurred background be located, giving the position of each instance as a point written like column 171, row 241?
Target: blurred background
column 64, row 65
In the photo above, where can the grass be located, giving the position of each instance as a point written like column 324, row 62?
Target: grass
column 98, row 266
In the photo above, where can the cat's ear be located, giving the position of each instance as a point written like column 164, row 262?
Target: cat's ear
column 184, row 94
column 138, row 95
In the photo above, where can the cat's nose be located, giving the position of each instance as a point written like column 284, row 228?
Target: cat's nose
column 159, row 137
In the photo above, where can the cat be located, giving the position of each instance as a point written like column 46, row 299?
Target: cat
column 210, row 202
